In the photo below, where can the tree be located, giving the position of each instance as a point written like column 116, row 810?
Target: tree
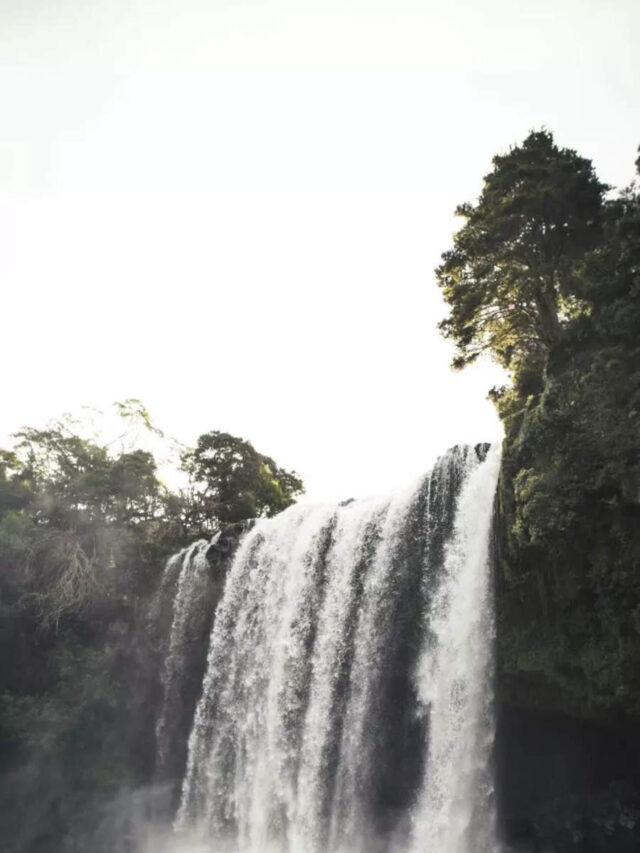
column 509, row 279
column 80, row 521
column 78, row 481
column 568, row 579
column 85, row 528
column 234, row 482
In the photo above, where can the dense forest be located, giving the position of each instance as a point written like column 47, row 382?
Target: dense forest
column 85, row 529
column 544, row 277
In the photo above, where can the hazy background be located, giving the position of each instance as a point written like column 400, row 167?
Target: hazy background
column 232, row 210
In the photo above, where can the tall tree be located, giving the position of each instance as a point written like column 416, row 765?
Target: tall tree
column 509, row 277
column 234, row 482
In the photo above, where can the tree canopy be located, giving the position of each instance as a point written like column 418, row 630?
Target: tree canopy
column 234, row 482
column 509, row 279
column 83, row 518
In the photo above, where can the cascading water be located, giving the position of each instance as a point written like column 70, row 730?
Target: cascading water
column 346, row 705
column 188, row 574
column 454, row 813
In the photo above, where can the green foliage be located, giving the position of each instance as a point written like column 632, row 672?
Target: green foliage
column 568, row 601
column 509, row 279
column 78, row 481
column 134, row 411
column 85, row 528
column 83, row 690
column 234, row 482
column 572, row 468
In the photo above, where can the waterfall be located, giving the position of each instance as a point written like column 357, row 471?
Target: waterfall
column 455, row 813
column 346, row 702
column 187, row 572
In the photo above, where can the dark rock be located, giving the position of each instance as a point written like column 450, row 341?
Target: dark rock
column 565, row 784
column 224, row 544
column 481, row 450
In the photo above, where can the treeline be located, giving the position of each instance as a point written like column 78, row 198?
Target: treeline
column 85, row 528
column 544, row 275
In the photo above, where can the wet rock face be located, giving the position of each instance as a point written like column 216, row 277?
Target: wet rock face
column 566, row 786
column 222, row 547
column 631, row 485
column 598, row 824
column 567, row 682
column 481, row 450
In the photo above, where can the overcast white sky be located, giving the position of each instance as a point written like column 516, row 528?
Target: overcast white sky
column 233, row 209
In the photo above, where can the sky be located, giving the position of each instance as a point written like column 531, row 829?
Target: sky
column 232, row 209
